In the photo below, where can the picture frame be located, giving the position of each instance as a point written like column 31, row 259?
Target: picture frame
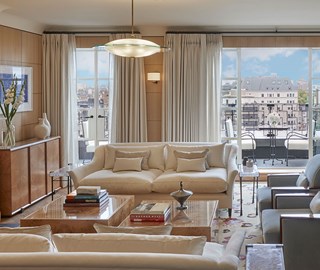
column 22, row 74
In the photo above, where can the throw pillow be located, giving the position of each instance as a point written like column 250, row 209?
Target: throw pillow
column 192, row 155
column 187, row 165
column 43, row 230
column 122, row 242
column 153, row 230
column 127, row 164
column 302, row 181
column 21, row 242
column 144, row 154
column 155, row 161
column 315, row 204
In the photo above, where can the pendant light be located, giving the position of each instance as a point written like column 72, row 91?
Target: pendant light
column 133, row 47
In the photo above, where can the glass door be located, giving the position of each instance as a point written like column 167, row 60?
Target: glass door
column 93, row 99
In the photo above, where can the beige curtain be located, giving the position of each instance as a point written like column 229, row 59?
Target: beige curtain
column 59, row 91
column 129, row 115
column 191, row 90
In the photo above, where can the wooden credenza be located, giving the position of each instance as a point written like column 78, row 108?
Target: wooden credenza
column 24, row 173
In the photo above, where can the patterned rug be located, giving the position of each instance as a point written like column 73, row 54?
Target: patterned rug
column 225, row 226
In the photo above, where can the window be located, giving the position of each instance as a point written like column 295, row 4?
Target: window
column 273, row 83
column 94, row 92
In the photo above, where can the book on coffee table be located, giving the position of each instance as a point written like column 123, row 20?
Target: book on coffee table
column 151, row 212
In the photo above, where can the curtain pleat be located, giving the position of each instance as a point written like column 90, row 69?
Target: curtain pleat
column 59, row 91
column 129, row 114
column 191, row 88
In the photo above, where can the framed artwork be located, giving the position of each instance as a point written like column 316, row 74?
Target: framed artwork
column 22, row 74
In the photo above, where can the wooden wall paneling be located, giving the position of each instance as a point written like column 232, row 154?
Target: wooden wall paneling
column 11, row 45
column 52, row 162
column 37, row 172
column 31, row 48
column 19, row 188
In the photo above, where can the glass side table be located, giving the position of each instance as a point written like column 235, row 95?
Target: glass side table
column 62, row 174
column 245, row 172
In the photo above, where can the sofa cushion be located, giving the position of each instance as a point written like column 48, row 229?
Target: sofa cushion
column 125, row 182
column 153, row 230
column 155, row 161
column 209, row 182
column 127, row 164
column 115, row 242
column 189, row 165
column 193, row 155
column 215, row 156
column 42, row 230
column 144, row 154
column 23, row 242
column 270, row 223
column 315, row 204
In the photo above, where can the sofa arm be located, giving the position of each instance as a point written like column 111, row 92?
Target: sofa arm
column 300, row 237
column 282, row 180
column 96, row 164
column 293, row 200
column 285, row 190
column 232, row 168
column 230, row 257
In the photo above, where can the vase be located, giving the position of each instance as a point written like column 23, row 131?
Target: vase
column 9, row 138
column 46, row 122
column 41, row 130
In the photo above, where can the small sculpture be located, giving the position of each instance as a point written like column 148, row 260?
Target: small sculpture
column 181, row 196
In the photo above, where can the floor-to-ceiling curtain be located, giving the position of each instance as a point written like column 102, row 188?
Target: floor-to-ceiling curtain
column 191, row 89
column 59, row 91
column 129, row 115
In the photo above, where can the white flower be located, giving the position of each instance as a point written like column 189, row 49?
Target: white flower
column 273, row 118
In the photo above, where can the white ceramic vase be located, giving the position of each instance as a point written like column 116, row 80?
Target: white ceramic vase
column 41, row 130
column 46, row 122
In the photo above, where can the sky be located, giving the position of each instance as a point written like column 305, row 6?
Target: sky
column 285, row 62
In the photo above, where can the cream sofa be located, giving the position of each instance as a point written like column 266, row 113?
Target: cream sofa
column 92, row 251
column 164, row 171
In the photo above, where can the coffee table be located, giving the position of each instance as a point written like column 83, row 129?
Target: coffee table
column 197, row 220
column 80, row 219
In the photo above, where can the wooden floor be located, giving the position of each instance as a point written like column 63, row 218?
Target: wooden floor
column 16, row 218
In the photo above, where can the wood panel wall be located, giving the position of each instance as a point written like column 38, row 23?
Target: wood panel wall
column 20, row 48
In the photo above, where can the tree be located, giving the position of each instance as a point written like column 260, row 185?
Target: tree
column 302, row 96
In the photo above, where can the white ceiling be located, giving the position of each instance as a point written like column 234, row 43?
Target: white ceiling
column 152, row 16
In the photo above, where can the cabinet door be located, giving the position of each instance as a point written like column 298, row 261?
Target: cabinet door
column 19, row 180
column 53, row 161
column 37, row 172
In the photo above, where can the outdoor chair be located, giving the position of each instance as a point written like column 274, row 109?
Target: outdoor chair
column 305, row 182
column 248, row 141
column 297, row 141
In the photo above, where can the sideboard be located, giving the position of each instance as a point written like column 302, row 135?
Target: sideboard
column 24, row 173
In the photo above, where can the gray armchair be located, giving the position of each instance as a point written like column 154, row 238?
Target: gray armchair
column 308, row 181
column 294, row 225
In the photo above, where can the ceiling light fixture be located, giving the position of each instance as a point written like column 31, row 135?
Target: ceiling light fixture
column 133, row 47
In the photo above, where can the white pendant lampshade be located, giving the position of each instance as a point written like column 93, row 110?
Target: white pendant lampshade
column 133, row 47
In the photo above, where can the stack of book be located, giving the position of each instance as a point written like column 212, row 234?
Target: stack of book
column 151, row 212
column 87, row 196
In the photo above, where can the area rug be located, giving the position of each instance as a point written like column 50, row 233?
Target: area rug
column 224, row 226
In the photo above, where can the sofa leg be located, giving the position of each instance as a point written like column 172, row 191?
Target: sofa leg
column 230, row 212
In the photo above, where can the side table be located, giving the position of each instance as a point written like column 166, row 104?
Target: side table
column 58, row 175
column 264, row 257
column 252, row 172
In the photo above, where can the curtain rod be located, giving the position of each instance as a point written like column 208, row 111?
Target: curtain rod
column 89, row 32
column 245, row 32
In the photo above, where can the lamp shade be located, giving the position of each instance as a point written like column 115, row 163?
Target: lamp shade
column 132, row 47
column 154, row 76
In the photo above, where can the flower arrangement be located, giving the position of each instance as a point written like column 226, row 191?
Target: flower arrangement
column 11, row 102
column 273, row 118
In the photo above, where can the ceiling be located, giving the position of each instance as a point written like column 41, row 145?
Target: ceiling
column 154, row 16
